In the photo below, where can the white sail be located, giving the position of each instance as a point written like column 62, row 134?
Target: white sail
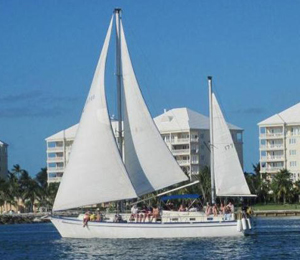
column 229, row 176
column 95, row 172
column 148, row 161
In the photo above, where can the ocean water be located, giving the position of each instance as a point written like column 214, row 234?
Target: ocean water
column 276, row 238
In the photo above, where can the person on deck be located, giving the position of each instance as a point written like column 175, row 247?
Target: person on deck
column 222, row 208
column 182, row 208
column 231, row 207
column 134, row 213
column 208, row 210
column 156, row 214
column 215, row 210
column 98, row 216
column 93, row 217
column 86, row 218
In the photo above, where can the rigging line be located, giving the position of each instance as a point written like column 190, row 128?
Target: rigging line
column 153, row 74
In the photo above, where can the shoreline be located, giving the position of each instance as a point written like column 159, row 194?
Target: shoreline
column 24, row 218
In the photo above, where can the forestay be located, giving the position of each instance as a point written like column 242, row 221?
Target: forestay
column 229, row 176
column 95, row 172
column 148, row 161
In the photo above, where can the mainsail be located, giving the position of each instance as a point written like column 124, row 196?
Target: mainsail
column 95, row 172
column 229, row 176
column 148, row 161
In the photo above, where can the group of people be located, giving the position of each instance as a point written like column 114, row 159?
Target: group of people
column 140, row 215
column 222, row 209
column 88, row 216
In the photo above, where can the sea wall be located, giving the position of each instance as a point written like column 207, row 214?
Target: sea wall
column 276, row 213
column 23, row 218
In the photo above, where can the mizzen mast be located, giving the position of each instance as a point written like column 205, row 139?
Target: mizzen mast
column 212, row 174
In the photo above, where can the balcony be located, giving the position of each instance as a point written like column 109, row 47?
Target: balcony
column 54, row 179
column 270, row 169
column 183, row 162
column 180, row 141
column 55, row 159
column 272, row 158
column 56, row 148
column 195, row 139
column 180, row 151
column 272, row 147
column 271, row 135
column 56, row 169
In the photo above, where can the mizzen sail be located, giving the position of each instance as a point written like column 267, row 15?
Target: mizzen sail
column 148, row 161
column 95, row 172
column 229, row 176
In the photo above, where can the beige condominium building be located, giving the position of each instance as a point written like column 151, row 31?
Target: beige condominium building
column 185, row 132
column 3, row 159
column 279, row 142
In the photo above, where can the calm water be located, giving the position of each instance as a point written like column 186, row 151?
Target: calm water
column 277, row 238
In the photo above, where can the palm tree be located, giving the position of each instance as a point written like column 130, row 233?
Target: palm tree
column 41, row 178
column 296, row 191
column 282, row 185
column 258, row 183
column 31, row 193
column 3, row 192
column 17, row 171
column 12, row 190
column 204, row 187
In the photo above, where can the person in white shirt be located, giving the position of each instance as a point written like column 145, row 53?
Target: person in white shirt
column 134, row 212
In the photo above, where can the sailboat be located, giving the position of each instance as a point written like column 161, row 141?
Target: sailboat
column 97, row 172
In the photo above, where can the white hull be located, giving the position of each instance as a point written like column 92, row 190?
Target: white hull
column 73, row 228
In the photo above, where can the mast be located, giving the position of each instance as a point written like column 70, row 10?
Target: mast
column 117, row 12
column 119, row 88
column 212, row 174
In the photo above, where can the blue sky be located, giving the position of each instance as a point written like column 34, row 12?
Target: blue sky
column 49, row 50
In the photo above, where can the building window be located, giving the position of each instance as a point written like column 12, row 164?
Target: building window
column 52, row 175
column 51, row 144
column 292, row 140
column 295, row 131
column 239, row 137
column 52, row 165
column 293, row 163
column 293, row 152
column 51, row 155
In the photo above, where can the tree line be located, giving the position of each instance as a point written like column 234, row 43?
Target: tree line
column 19, row 186
column 269, row 188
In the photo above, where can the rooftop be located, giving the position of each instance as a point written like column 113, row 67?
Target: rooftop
column 177, row 119
column 184, row 119
column 3, row 143
column 288, row 116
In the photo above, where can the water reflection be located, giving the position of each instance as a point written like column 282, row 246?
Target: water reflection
column 275, row 239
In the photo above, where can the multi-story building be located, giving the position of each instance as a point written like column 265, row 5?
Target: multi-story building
column 3, row 159
column 58, row 151
column 279, row 142
column 185, row 132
